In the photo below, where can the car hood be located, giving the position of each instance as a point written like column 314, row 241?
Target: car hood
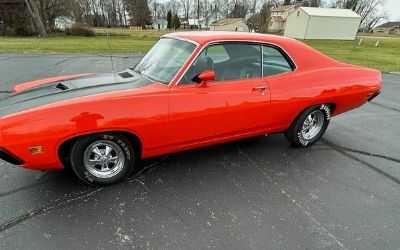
column 50, row 91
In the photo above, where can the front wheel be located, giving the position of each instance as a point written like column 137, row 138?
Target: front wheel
column 102, row 159
column 309, row 126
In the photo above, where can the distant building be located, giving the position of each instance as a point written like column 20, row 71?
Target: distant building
column 230, row 24
column 63, row 22
column 279, row 16
column 388, row 28
column 191, row 23
column 159, row 24
column 322, row 23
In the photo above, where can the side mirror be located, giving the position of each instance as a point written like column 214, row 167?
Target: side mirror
column 204, row 77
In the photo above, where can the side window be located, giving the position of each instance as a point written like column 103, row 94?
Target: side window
column 274, row 62
column 230, row 61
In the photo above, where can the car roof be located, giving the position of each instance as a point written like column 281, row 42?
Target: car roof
column 302, row 55
column 203, row 37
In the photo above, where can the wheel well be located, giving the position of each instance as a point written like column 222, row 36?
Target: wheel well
column 64, row 150
column 331, row 104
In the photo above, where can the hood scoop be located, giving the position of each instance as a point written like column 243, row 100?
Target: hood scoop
column 61, row 86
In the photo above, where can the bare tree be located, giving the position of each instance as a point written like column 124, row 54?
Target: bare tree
column 36, row 17
column 186, row 5
column 369, row 10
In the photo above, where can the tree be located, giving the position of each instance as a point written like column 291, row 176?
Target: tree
column 369, row 10
column 176, row 22
column 186, row 4
column 265, row 16
column 312, row 3
column 36, row 17
column 240, row 9
column 140, row 12
column 169, row 20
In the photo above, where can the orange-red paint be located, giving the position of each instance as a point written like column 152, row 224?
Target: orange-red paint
column 170, row 118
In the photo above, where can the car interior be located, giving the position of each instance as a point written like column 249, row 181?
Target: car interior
column 237, row 61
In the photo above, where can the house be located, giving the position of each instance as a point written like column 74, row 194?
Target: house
column 230, row 24
column 63, row 22
column 159, row 24
column 279, row 16
column 388, row 28
column 191, row 23
column 322, row 23
column 214, row 16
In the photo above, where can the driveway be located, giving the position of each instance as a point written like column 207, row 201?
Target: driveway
column 258, row 193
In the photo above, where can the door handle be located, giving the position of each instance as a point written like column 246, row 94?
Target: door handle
column 263, row 88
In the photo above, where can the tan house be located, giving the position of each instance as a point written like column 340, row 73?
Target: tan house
column 279, row 16
column 388, row 28
column 230, row 24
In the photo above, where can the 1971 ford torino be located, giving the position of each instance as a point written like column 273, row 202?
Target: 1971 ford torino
column 192, row 89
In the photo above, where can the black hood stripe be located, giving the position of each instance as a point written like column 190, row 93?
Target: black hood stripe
column 77, row 87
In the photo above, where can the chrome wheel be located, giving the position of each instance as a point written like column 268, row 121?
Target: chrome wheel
column 104, row 159
column 312, row 125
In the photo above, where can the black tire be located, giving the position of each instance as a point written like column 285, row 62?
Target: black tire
column 82, row 157
column 294, row 134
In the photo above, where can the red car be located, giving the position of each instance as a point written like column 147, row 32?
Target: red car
column 192, row 89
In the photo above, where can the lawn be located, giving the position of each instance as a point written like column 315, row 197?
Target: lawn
column 385, row 57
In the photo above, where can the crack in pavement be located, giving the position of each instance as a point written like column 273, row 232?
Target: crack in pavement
column 57, row 203
column 331, row 144
column 385, row 106
column 44, row 209
column 345, row 151
column 322, row 230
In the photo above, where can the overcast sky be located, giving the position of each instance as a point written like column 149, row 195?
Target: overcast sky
column 392, row 8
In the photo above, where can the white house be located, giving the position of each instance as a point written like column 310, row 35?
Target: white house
column 279, row 16
column 322, row 23
column 230, row 24
column 63, row 22
column 159, row 24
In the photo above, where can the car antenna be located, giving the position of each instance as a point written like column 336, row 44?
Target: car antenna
column 110, row 51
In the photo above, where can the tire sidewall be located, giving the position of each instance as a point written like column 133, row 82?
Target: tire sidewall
column 302, row 142
column 77, row 158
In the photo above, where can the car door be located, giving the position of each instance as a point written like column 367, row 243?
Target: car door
column 235, row 103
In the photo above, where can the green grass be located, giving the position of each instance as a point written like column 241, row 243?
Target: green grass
column 386, row 57
column 67, row 44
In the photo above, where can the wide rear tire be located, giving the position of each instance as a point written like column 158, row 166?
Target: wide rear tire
column 309, row 126
column 103, row 159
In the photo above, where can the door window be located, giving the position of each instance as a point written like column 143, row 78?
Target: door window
column 274, row 62
column 230, row 61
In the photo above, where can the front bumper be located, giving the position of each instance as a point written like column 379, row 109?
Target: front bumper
column 10, row 158
column 371, row 97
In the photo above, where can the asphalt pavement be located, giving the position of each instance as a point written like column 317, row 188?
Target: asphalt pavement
column 258, row 193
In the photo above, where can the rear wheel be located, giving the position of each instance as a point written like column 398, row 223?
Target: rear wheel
column 309, row 126
column 102, row 159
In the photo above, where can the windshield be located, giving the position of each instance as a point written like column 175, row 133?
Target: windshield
column 164, row 60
